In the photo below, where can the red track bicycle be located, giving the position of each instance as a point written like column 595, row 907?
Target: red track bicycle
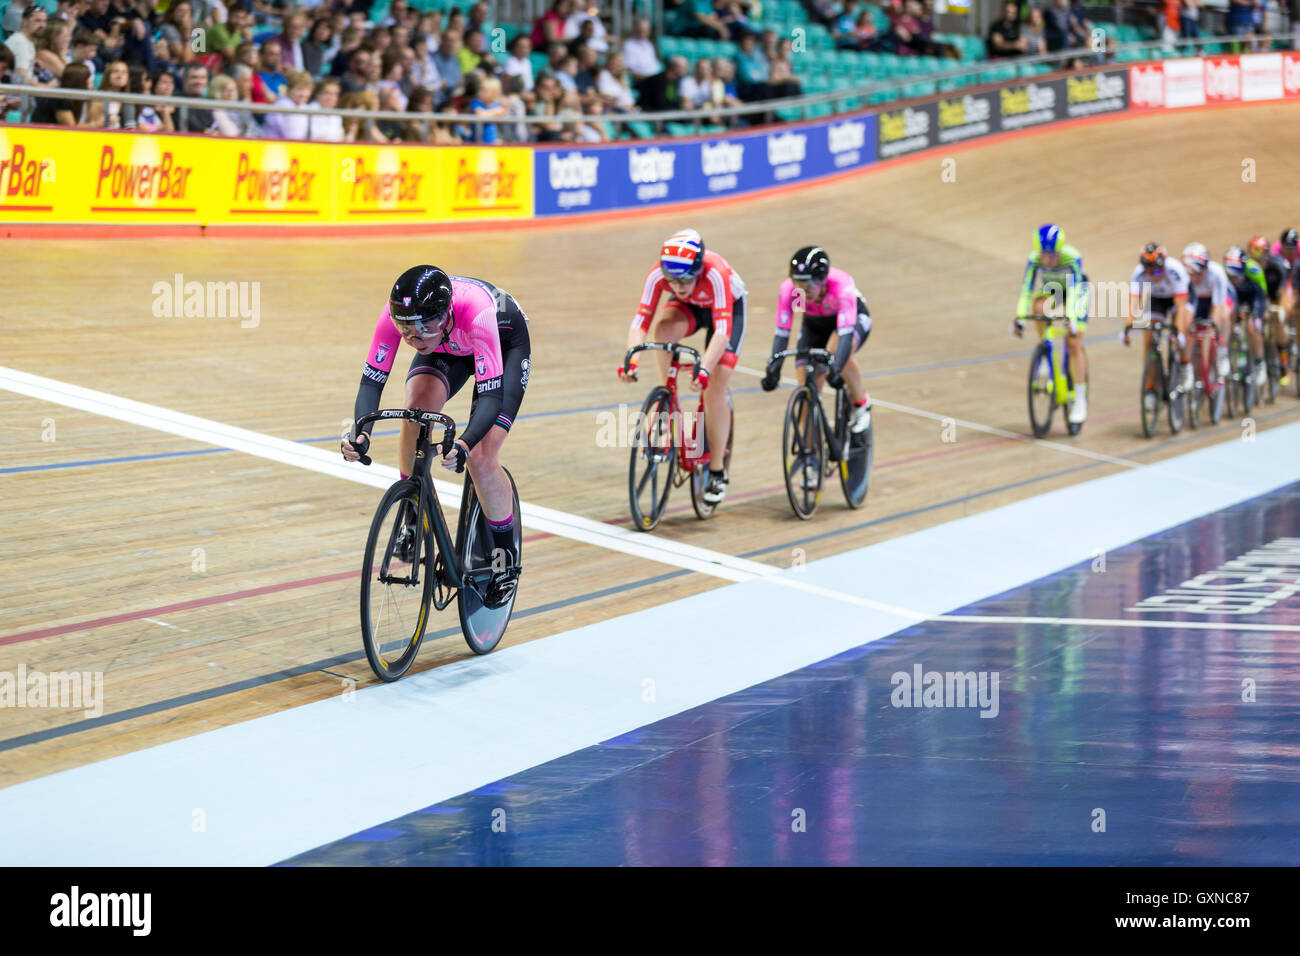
column 667, row 450
column 1209, row 386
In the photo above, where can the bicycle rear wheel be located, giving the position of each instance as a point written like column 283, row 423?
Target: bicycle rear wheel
column 1177, row 397
column 482, row 626
column 1149, row 400
column 1218, row 385
column 855, row 467
column 803, row 451
column 1238, row 375
column 654, row 456
column 700, row 474
column 1195, row 395
column 1042, row 390
column 394, row 601
column 1274, row 371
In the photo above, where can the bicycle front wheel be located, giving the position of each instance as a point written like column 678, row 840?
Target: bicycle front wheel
column 1274, row 371
column 394, row 597
column 1151, row 393
column 1042, row 390
column 803, row 451
column 1177, row 397
column 654, row 456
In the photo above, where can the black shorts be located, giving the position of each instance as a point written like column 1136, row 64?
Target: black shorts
column 1162, row 307
column 818, row 329
column 1204, row 305
column 701, row 317
column 516, row 362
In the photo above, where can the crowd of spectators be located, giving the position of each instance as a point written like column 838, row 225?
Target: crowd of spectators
column 331, row 54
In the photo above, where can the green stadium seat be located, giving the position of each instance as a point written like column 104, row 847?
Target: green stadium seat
column 883, row 96
column 641, row 129
column 680, row 129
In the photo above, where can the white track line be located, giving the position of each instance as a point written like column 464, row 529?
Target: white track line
column 1016, row 436
column 1115, row 622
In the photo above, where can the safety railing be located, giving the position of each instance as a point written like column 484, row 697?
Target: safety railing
column 789, row 108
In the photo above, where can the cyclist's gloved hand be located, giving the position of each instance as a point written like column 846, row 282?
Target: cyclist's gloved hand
column 1018, row 328
column 456, row 458
column 358, row 446
column 834, row 379
column 703, row 378
column 1123, row 336
column 771, row 380
column 628, row 375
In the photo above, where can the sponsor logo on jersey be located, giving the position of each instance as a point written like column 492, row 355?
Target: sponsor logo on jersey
column 488, row 386
column 480, row 366
column 381, row 354
column 375, row 374
column 524, row 379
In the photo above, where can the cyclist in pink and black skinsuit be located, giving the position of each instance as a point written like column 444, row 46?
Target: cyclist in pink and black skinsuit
column 829, row 301
column 459, row 327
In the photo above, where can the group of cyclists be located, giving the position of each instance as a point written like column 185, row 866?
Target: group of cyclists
column 1256, row 285
column 460, row 326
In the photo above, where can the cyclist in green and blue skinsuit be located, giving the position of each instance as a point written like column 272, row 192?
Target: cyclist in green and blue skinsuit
column 1063, row 292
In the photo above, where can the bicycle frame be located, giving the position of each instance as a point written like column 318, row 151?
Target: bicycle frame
column 428, row 494
column 820, row 361
column 690, row 455
column 1060, row 369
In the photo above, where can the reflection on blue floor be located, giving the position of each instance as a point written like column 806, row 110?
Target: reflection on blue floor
column 1144, row 728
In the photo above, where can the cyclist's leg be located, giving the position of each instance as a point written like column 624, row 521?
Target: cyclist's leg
column 431, row 380
column 1183, row 329
column 852, row 371
column 673, row 322
column 484, row 464
column 717, row 420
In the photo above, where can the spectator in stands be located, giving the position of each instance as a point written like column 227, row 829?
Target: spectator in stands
column 613, row 86
column 52, row 48
column 471, row 52
column 396, row 14
column 734, row 17
column 291, row 40
column 546, row 103
column 56, row 112
column 588, row 70
column 195, row 84
column 752, row 71
column 639, row 52
column 448, row 62
column 513, row 99
column 1080, row 37
column 549, row 27
column 269, row 85
column 586, row 36
column 224, row 38
column 575, row 27
column 555, row 55
column 1241, row 17
column 158, row 119
column 571, row 114
column 1031, row 33
column 176, row 31
column 1056, row 25
column 231, row 122
column 392, row 73
column 23, row 43
column 518, row 63
column 137, row 82
column 316, row 45
column 424, row 72
column 349, row 43
column 568, row 73
column 487, row 102
column 357, row 76
column 724, row 84
column 842, row 26
column 84, row 46
column 694, row 18
column 96, row 18
column 416, row 130
column 1190, row 20
column 1004, row 37
column 297, row 92
column 329, row 128
column 108, row 113
column 782, row 81
column 697, row 89
column 356, row 129
column 662, row 91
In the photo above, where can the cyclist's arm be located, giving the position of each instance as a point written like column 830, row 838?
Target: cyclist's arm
column 785, row 315
column 1025, row 307
column 845, row 322
column 723, row 316
column 488, row 370
column 651, row 292
column 379, row 363
column 1076, row 302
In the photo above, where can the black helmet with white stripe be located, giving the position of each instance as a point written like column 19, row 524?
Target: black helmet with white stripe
column 810, row 262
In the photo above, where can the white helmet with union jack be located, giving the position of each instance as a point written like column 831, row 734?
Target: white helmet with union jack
column 682, row 255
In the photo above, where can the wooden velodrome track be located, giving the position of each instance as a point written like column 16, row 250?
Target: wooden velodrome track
column 112, row 546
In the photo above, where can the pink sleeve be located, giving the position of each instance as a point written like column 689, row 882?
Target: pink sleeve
column 845, row 292
column 784, row 316
column 485, row 338
column 383, row 347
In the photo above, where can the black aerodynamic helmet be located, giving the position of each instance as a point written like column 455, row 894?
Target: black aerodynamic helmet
column 810, row 262
column 421, row 296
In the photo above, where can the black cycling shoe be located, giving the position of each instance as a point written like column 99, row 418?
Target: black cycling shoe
column 501, row 588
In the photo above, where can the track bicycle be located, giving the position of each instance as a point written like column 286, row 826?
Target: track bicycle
column 665, row 451
column 1160, row 378
column 1051, row 384
column 411, row 561
column 811, row 447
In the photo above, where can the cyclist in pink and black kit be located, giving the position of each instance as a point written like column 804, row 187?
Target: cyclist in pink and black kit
column 459, row 327
column 830, row 303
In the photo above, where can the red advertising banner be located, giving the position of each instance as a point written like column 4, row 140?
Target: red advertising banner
column 1146, row 85
column 1222, row 79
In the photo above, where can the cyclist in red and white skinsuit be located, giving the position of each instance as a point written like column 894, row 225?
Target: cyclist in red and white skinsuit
column 703, row 292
